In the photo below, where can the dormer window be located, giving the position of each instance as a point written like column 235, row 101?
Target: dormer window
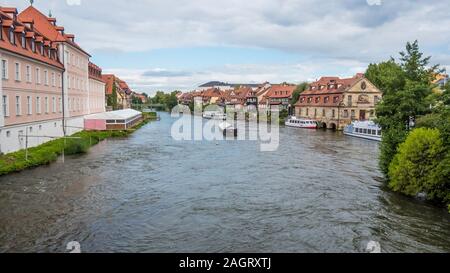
column 33, row 45
column 12, row 37
column 24, row 41
column 42, row 50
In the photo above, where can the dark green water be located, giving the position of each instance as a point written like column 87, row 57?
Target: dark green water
column 320, row 192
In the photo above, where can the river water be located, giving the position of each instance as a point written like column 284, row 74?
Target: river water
column 319, row 192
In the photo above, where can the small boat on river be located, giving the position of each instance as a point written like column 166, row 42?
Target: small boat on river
column 364, row 129
column 301, row 123
column 214, row 115
column 228, row 129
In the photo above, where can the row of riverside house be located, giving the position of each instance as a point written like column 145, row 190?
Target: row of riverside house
column 48, row 83
column 262, row 96
column 332, row 101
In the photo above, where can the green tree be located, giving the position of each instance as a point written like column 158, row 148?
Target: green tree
column 387, row 76
column 171, row 100
column 112, row 99
column 406, row 88
column 300, row 89
column 422, row 165
column 136, row 100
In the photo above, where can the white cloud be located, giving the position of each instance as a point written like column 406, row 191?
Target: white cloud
column 359, row 31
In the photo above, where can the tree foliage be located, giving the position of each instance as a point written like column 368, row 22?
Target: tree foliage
column 169, row 100
column 300, row 89
column 406, row 87
column 422, row 166
column 112, row 98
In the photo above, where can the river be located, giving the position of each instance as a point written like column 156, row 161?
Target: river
column 319, row 192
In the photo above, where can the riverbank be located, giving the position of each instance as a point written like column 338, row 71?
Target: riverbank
column 49, row 152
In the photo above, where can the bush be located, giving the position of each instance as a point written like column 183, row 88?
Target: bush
column 392, row 138
column 422, row 166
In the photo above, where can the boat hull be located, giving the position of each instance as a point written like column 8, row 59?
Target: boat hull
column 374, row 138
column 302, row 127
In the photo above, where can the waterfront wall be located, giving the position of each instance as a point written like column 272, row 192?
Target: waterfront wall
column 12, row 138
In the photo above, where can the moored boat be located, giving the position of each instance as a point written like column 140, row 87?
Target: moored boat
column 228, row 129
column 364, row 129
column 301, row 123
column 214, row 115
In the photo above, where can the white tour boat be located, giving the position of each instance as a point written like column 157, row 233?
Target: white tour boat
column 301, row 123
column 214, row 115
column 364, row 129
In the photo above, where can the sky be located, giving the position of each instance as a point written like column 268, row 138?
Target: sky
column 179, row 44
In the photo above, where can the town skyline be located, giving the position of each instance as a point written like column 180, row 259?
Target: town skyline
column 204, row 42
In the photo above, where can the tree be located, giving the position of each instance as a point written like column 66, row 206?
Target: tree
column 422, row 166
column 406, row 88
column 112, row 99
column 415, row 65
column 136, row 100
column 300, row 89
column 387, row 76
column 171, row 100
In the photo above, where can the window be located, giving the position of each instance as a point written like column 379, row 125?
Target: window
column 12, row 36
column 33, row 45
column 68, row 82
column 28, row 73
column 18, row 106
column 59, row 80
column 17, row 71
column 5, row 107
column 53, row 79
column 4, row 69
column 376, row 99
column 349, row 101
column 45, row 77
column 38, row 75
column 38, row 105
column 334, row 113
column 29, row 110
column 24, row 41
column 54, row 105
column 60, row 105
column 323, row 113
column 46, row 105
column 353, row 114
column 345, row 113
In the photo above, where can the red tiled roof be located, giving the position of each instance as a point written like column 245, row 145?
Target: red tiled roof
column 95, row 72
column 109, row 79
column 327, row 91
column 281, row 91
column 5, row 44
column 46, row 27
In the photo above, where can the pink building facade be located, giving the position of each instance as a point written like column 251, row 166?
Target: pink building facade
column 45, row 81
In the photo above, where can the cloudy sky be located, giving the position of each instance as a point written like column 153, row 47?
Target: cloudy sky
column 179, row 44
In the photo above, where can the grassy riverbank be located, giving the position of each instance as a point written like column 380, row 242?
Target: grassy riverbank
column 50, row 151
